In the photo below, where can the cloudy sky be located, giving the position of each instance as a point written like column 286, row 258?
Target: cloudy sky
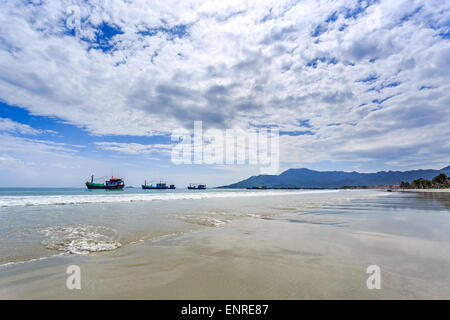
column 98, row 86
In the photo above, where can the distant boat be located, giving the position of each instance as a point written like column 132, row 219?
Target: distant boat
column 159, row 186
column 111, row 184
column 197, row 186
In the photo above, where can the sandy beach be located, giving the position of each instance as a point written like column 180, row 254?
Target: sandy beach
column 263, row 260
column 423, row 190
column 298, row 255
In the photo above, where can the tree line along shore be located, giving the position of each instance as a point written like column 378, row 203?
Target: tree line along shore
column 441, row 181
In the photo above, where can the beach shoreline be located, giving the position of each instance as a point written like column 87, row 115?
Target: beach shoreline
column 237, row 262
column 298, row 255
column 423, row 190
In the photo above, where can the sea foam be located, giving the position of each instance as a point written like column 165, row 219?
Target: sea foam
column 14, row 201
column 80, row 239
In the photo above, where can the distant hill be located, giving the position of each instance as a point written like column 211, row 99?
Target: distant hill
column 305, row 178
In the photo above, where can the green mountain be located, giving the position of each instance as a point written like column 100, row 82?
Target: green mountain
column 306, row 178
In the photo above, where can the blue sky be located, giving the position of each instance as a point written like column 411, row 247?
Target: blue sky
column 98, row 86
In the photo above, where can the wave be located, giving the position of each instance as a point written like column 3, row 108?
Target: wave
column 15, row 201
column 13, row 263
column 80, row 239
column 204, row 220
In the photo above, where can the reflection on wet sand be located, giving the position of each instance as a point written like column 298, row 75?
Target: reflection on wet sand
column 312, row 252
column 443, row 198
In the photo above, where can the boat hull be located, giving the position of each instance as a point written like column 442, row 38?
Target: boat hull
column 92, row 186
column 153, row 188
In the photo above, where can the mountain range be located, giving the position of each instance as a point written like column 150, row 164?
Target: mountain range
column 306, row 178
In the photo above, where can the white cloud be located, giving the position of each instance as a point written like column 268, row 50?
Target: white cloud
column 267, row 62
column 8, row 125
column 135, row 148
column 26, row 146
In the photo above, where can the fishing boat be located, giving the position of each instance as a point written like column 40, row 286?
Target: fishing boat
column 196, row 186
column 146, row 186
column 111, row 184
column 159, row 186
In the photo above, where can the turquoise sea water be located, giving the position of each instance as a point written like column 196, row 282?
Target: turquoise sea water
column 38, row 223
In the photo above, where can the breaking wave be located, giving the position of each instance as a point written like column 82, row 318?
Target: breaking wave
column 80, row 239
column 14, row 201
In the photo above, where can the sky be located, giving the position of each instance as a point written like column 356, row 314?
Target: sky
column 97, row 87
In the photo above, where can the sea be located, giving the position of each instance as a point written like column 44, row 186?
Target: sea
column 36, row 223
column 41, row 223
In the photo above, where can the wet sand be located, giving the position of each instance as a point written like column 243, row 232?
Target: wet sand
column 276, row 258
column 423, row 190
